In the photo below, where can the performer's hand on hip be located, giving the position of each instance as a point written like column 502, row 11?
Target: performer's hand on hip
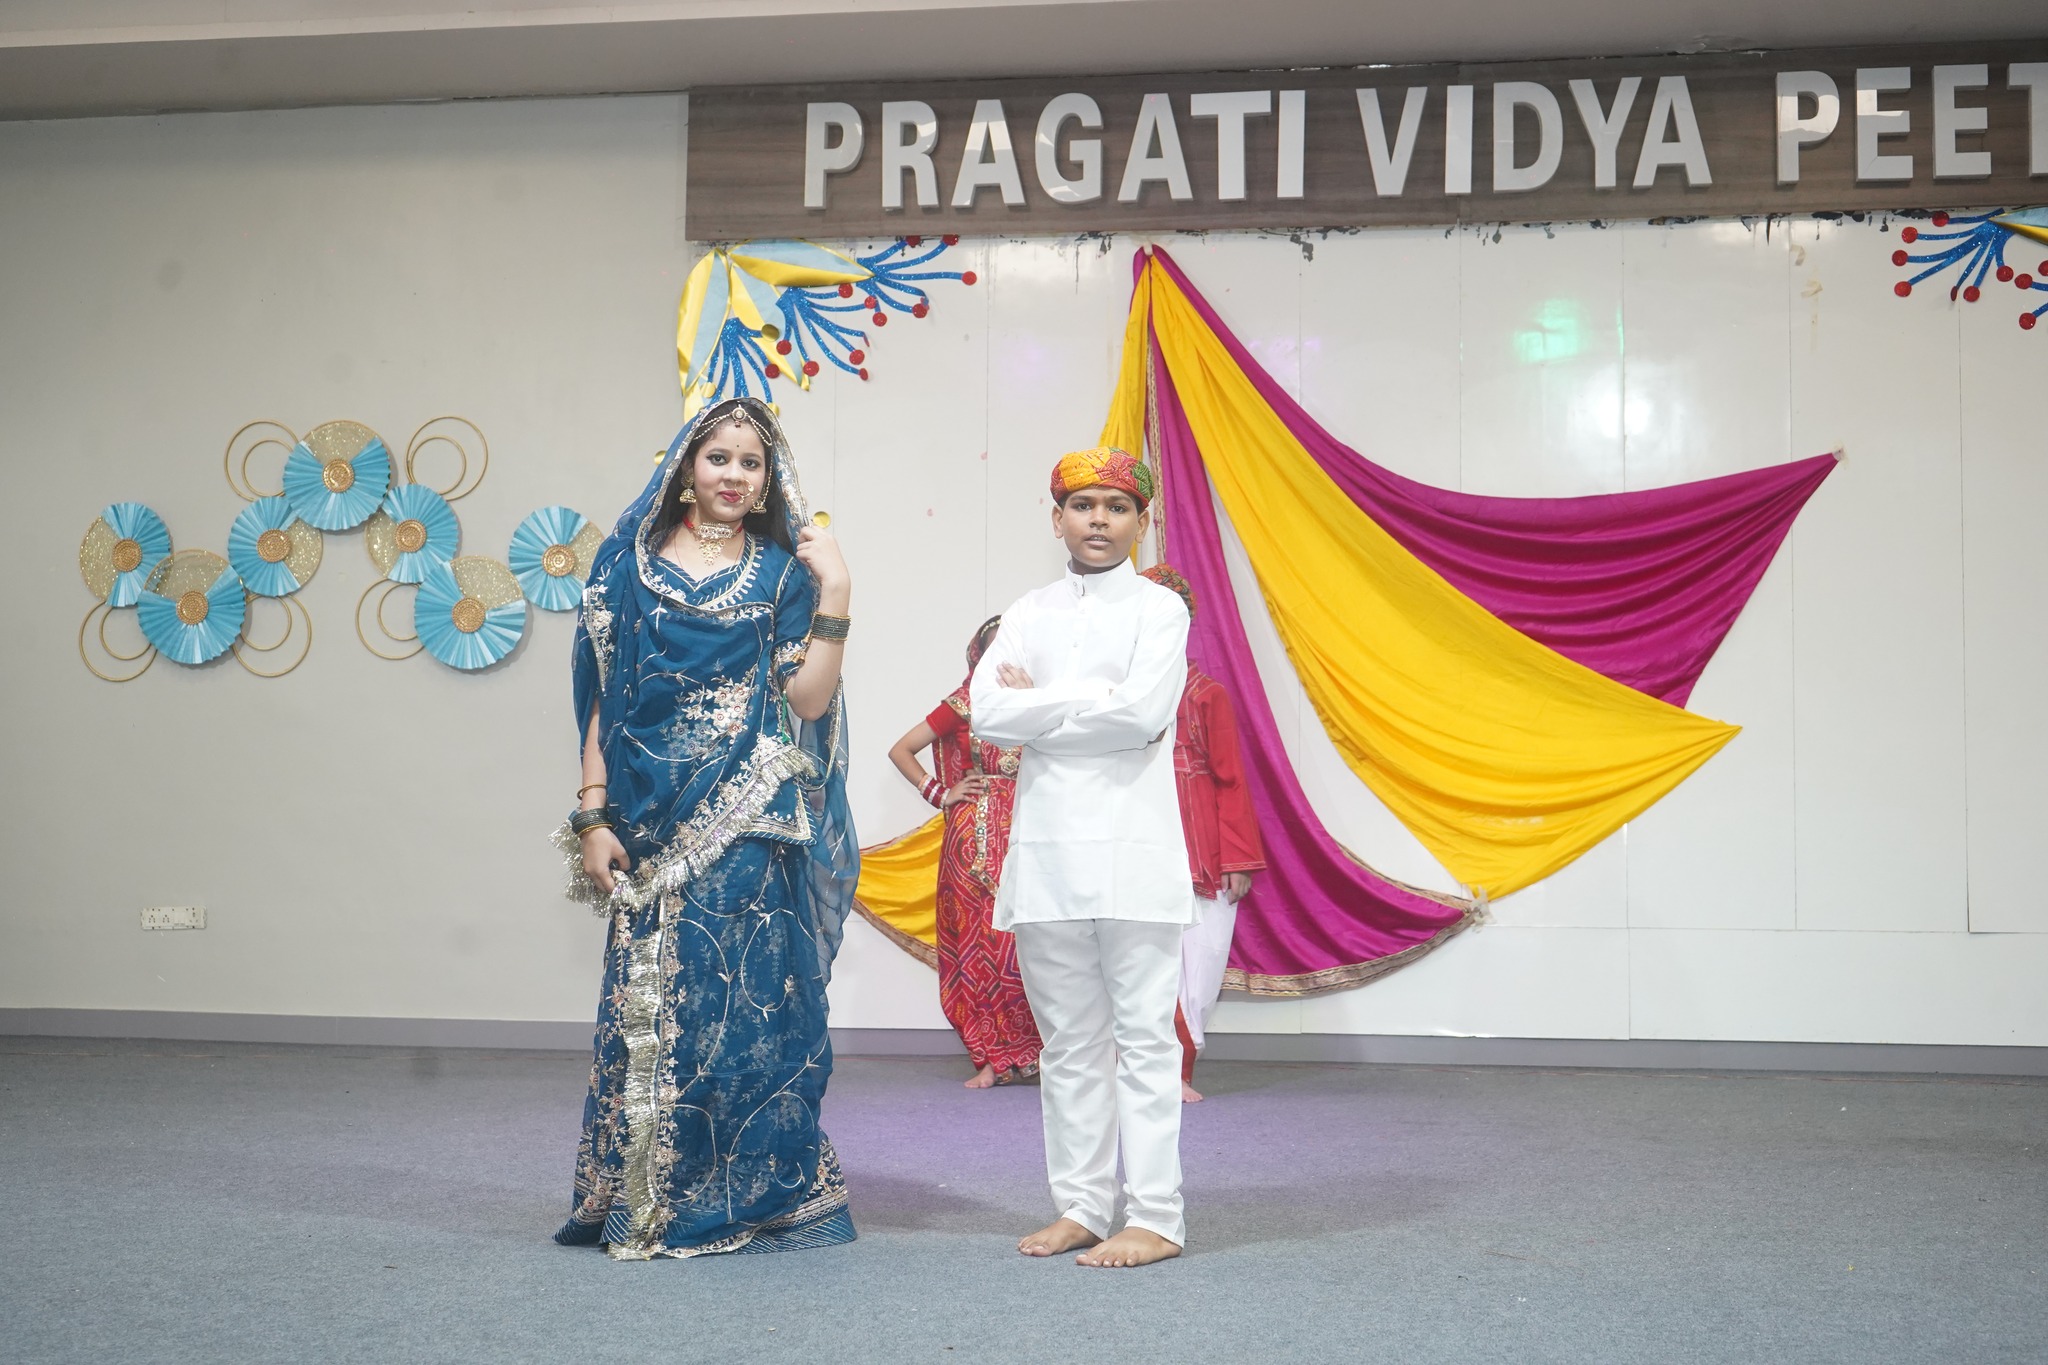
column 818, row 548
column 1236, row 886
column 968, row 788
column 1012, row 676
column 602, row 852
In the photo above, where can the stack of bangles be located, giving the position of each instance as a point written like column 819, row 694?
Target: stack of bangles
column 824, row 627
column 934, row 791
column 581, row 822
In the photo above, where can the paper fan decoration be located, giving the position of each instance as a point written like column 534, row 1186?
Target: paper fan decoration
column 551, row 553
column 272, row 548
column 192, row 607
column 414, row 528
column 469, row 611
column 336, row 476
column 120, row 549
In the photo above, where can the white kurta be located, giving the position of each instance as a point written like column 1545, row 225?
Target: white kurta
column 1096, row 830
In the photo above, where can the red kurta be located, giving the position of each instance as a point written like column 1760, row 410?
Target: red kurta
column 979, row 988
column 1215, row 805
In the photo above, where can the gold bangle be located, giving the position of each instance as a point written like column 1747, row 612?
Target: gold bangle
column 589, row 787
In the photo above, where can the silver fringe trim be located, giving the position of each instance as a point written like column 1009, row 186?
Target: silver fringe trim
column 701, row 841
column 640, row 1028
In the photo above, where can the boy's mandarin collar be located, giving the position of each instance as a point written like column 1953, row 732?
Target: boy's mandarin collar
column 1112, row 583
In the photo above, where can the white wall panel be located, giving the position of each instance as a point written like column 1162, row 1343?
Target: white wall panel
column 1877, row 593
column 1840, row 987
column 2005, row 603
column 1495, row 981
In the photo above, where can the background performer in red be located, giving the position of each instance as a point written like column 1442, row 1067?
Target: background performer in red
column 1223, row 840
column 979, row 988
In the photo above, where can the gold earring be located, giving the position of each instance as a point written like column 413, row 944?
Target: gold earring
column 760, row 503
column 689, row 493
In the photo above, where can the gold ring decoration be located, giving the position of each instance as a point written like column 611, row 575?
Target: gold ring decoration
column 147, row 654
column 273, row 546
column 468, row 615
column 409, row 535
column 384, row 587
column 432, row 431
column 291, row 628
column 237, row 471
column 558, row 561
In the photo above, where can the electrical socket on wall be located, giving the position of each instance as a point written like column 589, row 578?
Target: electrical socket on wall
column 174, row 917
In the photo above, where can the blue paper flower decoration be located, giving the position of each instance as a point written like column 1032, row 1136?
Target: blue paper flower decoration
column 119, row 551
column 551, row 553
column 469, row 612
column 417, row 527
column 272, row 548
column 192, row 607
column 336, row 477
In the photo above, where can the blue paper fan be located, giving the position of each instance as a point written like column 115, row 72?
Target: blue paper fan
column 337, row 501
column 261, row 545
column 141, row 540
column 424, row 521
column 548, row 560
column 456, row 625
column 189, row 617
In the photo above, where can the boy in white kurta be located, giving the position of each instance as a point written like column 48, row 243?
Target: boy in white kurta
column 1086, row 674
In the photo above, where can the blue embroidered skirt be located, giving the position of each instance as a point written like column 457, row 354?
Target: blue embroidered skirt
column 700, row 1131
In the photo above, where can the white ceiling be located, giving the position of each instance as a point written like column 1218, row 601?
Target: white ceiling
column 63, row 58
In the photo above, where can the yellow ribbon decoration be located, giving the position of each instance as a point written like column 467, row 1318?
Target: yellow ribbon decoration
column 718, row 287
column 898, row 891
column 1506, row 759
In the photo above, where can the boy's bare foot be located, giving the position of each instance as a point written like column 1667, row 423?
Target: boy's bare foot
column 1065, row 1235
column 1189, row 1095
column 982, row 1079
column 1132, row 1246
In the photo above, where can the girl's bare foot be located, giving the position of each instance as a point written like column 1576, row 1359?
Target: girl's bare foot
column 1189, row 1095
column 1065, row 1235
column 1132, row 1246
column 982, row 1079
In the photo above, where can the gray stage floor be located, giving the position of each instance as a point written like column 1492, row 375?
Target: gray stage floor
column 201, row 1202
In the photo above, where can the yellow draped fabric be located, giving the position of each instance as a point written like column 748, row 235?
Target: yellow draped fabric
column 1506, row 759
column 898, row 890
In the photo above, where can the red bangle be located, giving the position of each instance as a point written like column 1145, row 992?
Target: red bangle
column 934, row 791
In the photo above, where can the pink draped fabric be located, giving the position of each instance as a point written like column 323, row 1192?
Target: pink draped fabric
column 1640, row 586
column 1317, row 919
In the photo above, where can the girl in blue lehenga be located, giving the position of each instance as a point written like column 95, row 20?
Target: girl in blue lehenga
column 713, row 830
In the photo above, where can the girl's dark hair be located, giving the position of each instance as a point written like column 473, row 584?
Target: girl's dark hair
column 770, row 524
column 983, row 635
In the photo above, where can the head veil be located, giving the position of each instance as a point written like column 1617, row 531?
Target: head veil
column 618, row 587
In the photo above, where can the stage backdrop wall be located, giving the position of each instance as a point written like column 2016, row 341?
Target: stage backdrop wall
column 368, row 839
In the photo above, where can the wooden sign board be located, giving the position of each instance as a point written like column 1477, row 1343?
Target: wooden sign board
column 1715, row 134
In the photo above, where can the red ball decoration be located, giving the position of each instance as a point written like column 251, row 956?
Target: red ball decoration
column 810, row 369
column 1911, row 234
column 774, row 371
column 968, row 277
column 2005, row 274
column 1902, row 288
column 2026, row 281
column 913, row 241
column 951, row 239
column 857, row 357
column 863, row 374
column 869, row 302
column 881, row 319
column 783, row 347
column 2027, row 321
column 919, row 310
column 1899, row 258
column 1972, row 294
column 2044, row 267
column 1941, row 220
column 846, row 290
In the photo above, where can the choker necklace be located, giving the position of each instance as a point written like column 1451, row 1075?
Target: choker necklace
column 711, row 538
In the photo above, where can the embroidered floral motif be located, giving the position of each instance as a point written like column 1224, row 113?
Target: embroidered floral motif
column 713, row 717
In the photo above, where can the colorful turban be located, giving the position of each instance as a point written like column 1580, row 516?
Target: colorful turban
column 1166, row 576
column 1102, row 467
